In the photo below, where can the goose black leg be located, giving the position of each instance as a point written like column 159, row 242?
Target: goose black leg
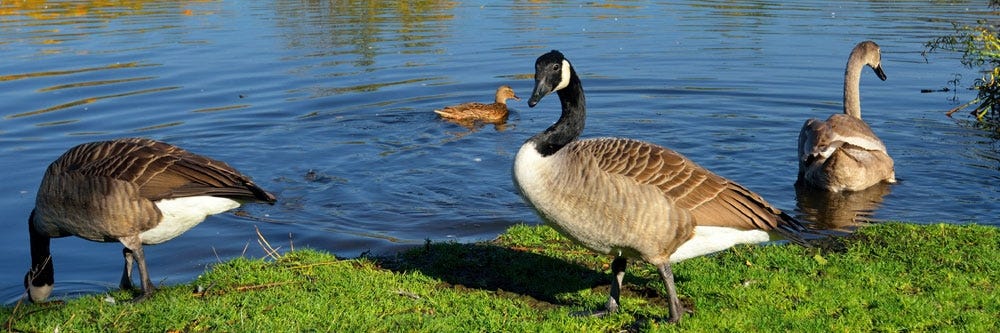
column 126, row 283
column 676, row 309
column 134, row 245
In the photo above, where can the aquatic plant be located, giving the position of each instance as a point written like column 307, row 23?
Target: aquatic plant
column 980, row 48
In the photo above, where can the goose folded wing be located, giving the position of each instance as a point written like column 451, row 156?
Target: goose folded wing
column 162, row 171
column 191, row 175
column 711, row 199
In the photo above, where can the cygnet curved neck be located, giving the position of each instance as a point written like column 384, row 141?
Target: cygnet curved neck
column 852, row 84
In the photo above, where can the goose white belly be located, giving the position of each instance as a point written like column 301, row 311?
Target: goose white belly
column 708, row 240
column 181, row 214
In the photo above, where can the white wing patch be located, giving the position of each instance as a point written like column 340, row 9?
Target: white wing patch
column 713, row 239
column 182, row 214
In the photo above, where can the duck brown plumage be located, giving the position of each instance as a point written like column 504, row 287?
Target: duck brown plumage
column 491, row 113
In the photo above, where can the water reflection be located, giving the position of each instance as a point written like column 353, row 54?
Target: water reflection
column 86, row 57
column 21, row 76
column 52, row 10
column 348, row 89
column 361, row 30
column 840, row 211
column 739, row 9
column 475, row 125
column 89, row 100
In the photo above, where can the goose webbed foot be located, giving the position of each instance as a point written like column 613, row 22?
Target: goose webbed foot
column 608, row 309
column 141, row 296
column 614, row 299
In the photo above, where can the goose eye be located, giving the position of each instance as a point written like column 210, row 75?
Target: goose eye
column 555, row 67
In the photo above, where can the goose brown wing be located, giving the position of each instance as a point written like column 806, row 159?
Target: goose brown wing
column 711, row 199
column 160, row 170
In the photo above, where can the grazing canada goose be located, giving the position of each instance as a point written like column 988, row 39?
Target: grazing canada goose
column 471, row 112
column 630, row 198
column 134, row 191
column 842, row 153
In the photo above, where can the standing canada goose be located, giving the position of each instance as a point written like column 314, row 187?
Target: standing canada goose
column 629, row 198
column 491, row 113
column 134, row 191
column 842, row 153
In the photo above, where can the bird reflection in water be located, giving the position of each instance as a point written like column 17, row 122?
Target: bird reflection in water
column 839, row 211
column 474, row 125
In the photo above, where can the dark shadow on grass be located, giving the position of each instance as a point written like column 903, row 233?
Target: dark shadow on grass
column 491, row 267
column 501, row 269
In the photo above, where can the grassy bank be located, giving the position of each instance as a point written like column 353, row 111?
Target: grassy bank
column 888, row 277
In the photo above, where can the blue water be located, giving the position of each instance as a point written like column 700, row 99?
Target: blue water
column 328, row 105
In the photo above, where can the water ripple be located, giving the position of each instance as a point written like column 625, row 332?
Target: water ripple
column 329, row 105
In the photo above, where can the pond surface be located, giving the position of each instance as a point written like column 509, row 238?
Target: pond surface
column 329, row 106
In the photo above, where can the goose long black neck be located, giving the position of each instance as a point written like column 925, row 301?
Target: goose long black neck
column 570, row 123
column 41, row 272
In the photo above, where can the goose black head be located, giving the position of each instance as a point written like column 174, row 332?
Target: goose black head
column 552, row 72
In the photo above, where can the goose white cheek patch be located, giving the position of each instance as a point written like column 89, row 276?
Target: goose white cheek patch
column 564, row 80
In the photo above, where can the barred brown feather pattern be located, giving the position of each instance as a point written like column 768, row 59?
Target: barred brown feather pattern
column 711, row 199
column 160, row 170
column 117, row 191
column 630, row 198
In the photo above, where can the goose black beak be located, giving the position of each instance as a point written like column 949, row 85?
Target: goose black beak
column 541, row 89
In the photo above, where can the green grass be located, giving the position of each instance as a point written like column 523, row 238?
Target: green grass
column 890, row 277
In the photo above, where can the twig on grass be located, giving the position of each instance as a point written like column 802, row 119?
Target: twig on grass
column 264, row 244
column 205, row 292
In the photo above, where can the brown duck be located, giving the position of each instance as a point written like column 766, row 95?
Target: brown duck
column 491, row 113
column 134, row 191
